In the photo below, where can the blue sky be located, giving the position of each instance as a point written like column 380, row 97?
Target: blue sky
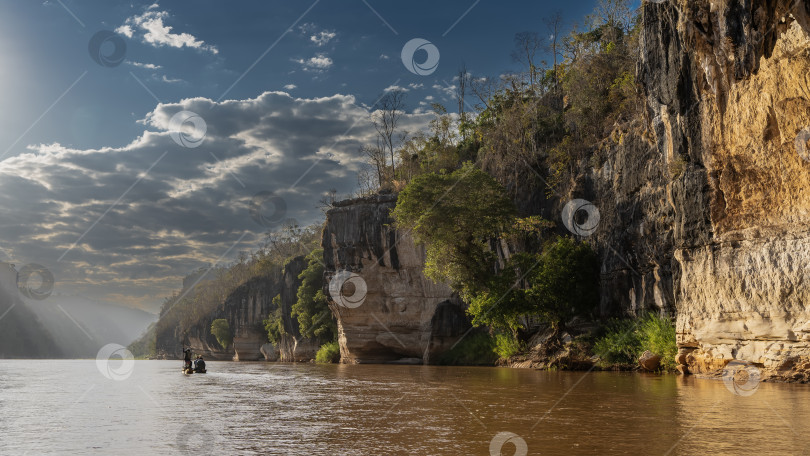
column 93, row 186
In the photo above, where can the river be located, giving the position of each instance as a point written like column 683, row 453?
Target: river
column 151, row 408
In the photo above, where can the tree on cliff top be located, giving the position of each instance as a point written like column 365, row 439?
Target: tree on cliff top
column 222, row 331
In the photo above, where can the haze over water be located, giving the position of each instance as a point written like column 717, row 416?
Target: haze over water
column 69, row 407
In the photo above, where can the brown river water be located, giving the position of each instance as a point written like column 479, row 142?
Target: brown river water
column 150, row 407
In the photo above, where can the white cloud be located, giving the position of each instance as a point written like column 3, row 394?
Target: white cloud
column 319, row 63
column 322, row 37
column 148, row 66
column 290, row 87
column 125, row 30
column 384, row 57
column 392, row 88
column 171, row 80
column 447, row 90
column 416, row 86
column 189, row 208
column 156, row 33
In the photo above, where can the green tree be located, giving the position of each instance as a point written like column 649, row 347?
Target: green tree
column 565, row 283
column 222, row 331
column 274, row 323
column 311, row 308
column 555, row 285
column 455, row 216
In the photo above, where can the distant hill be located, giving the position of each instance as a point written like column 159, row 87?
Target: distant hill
column 62, row 326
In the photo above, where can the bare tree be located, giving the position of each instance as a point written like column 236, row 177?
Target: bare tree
column 553, row 25
column 484, row 89
column 375, row 156
column 385, row 117
column 461, row 90
column 327, row 201
column 526, row 46
column 613, row 13
column 366, row 180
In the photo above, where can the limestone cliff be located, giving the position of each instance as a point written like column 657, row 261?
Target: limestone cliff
column 728, row 88
column 293, row 346
column 705, row 203
column 245, row 310
column 393, row 312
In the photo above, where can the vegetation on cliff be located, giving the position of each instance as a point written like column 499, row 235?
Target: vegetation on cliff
column 311, row 309
column 206, row 291
column 310, row 312
column 222, row 331
column 555, row 285
column 470, row 185
column 455, row 215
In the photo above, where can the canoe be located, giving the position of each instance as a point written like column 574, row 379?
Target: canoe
column 192, row 371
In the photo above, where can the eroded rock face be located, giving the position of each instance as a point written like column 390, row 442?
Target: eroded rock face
column 245, row 309
column 728, row 92
column 403, row 315
column 293, row 347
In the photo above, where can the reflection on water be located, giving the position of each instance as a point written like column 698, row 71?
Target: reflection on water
column 69, row 407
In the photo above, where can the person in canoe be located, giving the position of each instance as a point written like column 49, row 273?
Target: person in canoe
column 199, row 365
column 186, row 359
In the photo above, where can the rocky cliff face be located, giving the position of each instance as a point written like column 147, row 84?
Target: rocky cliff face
column 703, row 204
column 245, row 310
column 293, row 346
column 725, row 189
column 386, row 309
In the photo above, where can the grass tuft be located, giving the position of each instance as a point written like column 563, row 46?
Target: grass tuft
column 623, row 341
column 328, row 353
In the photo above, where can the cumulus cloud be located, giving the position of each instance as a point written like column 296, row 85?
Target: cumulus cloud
column 290, row 87
column 446, row 90
column 317, row 64
column 322, row 38
column 151, row 26
column 393, row 88
column 192, row 206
